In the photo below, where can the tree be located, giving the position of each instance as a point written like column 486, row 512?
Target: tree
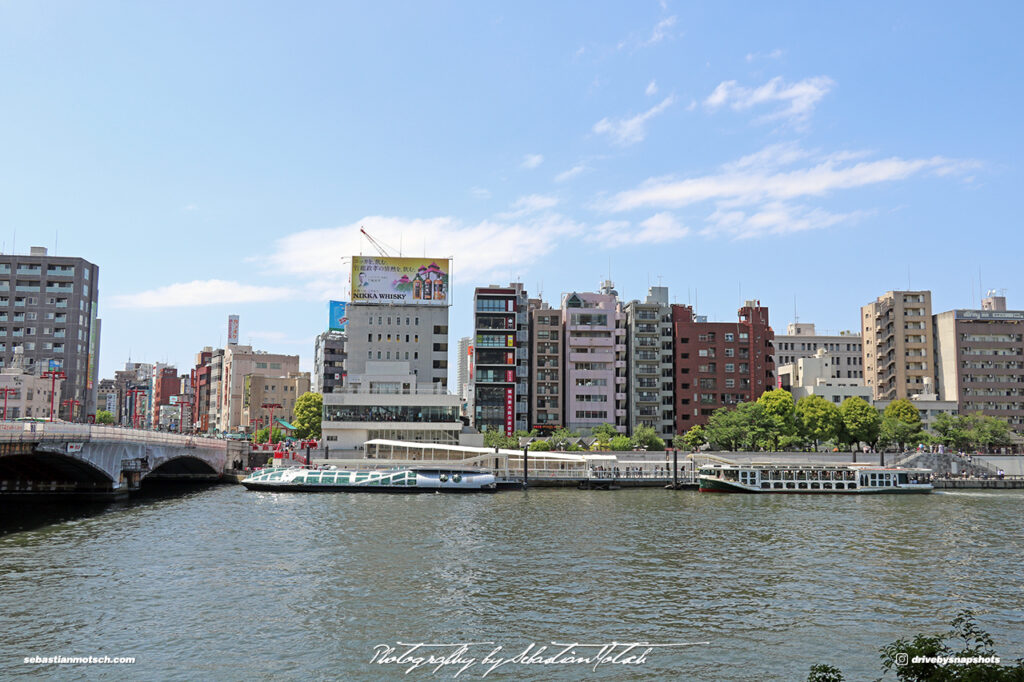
column 539, row 445
column 104, row 417
column 991, row 432
column 901, row 422
column 779, row 415
column 309, row 412
column 497, row 439
column 954, row 431
column 564, row 439
column 819, row 419
column 604, row 434
column 621, row 443
column 724, row 429
column 261, row 435
column 692, row 440
column 861, row 422
column 751, row 418
column 646, row 437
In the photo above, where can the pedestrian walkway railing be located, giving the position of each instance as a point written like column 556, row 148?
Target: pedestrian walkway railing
column 43, row 431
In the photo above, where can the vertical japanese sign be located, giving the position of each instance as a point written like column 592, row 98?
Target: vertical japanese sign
column 233, row 329
column 510, row 410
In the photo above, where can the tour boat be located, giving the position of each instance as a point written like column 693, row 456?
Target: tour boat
column 400, row 480
column 762, row 477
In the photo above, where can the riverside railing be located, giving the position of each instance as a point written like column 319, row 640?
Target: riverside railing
column 43, row 431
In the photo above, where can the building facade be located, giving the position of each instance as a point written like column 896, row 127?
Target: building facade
column 899, row 346
column 262, row 390
column 594, row 342
column 979, row 360
column 165, row 387
column 650, row 367
column 329, row 361
column 816, row 376
column 240, row 362
column 415, row 334
column 845, row 350
column 25, row 394
column 502, row 353
column 547, row 363
column 48, row 308
column 720, row 364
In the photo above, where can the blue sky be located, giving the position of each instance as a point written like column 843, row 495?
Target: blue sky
column 219, row 158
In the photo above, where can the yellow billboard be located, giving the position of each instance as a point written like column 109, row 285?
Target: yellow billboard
column 401, row 281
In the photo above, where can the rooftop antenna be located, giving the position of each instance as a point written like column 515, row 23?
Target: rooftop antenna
column 796, row 317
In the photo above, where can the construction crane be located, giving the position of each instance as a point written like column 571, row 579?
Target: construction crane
column 376, row 244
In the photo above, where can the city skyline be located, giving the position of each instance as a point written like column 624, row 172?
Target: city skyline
column 725, row 157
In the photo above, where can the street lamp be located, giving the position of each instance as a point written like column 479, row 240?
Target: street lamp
column 53, row 375
column 71, row 404
column 6, row 392
column 270, row 429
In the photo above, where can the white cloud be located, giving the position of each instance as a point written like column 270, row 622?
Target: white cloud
column 798, row 99
column 580, row 51
column 571, row 173
column 652, row 88
column 762, row 193
column 660, row 32
column 530, row 203
column 190, row 207
column 756, row 185
column 532, row 160
column 774, row 54
column 659, row 228
column 631, row 130
column 480, row 192
column 479, row 249
column 201, row 292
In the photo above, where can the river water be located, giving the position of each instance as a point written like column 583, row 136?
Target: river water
column 222, row 583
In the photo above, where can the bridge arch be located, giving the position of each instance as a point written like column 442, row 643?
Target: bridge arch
column 41, row 470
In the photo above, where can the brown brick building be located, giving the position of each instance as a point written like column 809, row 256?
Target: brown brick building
column 720, row 364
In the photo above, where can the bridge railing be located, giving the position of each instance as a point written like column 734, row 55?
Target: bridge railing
column 42, row 431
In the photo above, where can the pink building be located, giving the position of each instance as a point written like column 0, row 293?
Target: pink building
column 595, row 351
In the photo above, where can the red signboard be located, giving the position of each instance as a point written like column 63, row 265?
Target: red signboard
column 510, row 411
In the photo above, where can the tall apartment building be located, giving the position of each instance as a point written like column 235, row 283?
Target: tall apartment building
column 650, row 369
column 979, row 360
column 48, row 308
column 502, row 352
column 845, row 350
column 201, row 379
column 899, row 345
column 546, row 366
column 463, row 375
column 720, row 364
column 594, row 339
column 329, row 361
column 165, row 386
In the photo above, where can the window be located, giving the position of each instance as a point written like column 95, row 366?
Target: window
column 729, row 337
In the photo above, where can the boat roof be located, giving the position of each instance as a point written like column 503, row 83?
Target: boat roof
column 812, row 465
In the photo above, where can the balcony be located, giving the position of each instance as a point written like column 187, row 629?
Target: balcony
column 620, row 364
column 59, row 289
column 620, row 396
column 620, row 413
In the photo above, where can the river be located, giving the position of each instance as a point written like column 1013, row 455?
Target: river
column 222, row 583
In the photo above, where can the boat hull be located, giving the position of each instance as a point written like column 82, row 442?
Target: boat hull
column 320, row 488
column 710, row 485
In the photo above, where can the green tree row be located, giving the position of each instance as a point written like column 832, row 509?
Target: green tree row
column 606, row 438
column 774, row 422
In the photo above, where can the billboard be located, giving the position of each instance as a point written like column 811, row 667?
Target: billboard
column 233, row 329
column 338, row 318
column 401, row 281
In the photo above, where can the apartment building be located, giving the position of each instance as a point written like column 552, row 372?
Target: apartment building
column 329, row 361
column 48, row 308
column 260, row 390
column 720, row 364
column 240, row 362
column 502, row 353
column 25, row 394
column 546, row 367
column 845, row 350
column 594, row 342
column 979, row 360
column 898, row 344
column 650, row 366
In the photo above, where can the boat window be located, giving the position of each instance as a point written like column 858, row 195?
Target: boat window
column 826, row 486
column 802, row 485
column 765, row 485
column 790, row 485
column 851, row 486
column 815, row 486
column 801, row 476
column 777, row 485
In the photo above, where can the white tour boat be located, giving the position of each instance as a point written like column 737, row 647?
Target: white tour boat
column 400, row 480
column 765, row 477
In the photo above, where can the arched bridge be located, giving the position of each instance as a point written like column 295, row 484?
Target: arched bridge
column 83, row 460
